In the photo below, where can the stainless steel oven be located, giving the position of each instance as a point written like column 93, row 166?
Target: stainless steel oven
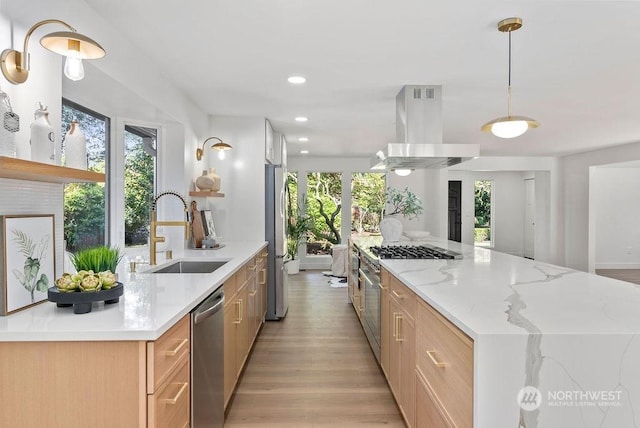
column 370, row 285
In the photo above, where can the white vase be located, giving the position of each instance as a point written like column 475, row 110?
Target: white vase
column 209, row 181
column 391, row 229
column 42, row 138
column 293, row 266
column 75, row 147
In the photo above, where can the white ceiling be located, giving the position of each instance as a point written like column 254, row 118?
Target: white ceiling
column 575, row 66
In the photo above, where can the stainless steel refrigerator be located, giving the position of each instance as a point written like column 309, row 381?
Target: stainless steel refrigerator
column 275, row 227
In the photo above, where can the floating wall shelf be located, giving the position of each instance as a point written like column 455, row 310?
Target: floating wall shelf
column 206, row 194
column 20, row 169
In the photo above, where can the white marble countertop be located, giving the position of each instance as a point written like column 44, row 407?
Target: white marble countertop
column 539, row 330
column 150, row 305
column 488, row 292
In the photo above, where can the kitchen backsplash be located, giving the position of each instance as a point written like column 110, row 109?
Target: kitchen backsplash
column 18, row 197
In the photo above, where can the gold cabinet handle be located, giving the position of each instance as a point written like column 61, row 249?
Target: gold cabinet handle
column 175, row 399
column 239, row 320
column 263, row 280
column 395, row 293
column 241, row 310
column 253, row 293
column 434, row 360
column 398, row 338
column 177, row 349
column 395, row 324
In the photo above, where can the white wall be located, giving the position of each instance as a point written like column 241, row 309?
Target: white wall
column 576, row 202
column 616, row 202
column 240, row 215
column 507, row 210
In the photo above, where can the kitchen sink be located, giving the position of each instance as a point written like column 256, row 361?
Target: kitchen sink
column 190, row 266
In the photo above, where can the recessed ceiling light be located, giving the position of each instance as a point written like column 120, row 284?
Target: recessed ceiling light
column 297, row 80
column 303, row 139
column 301, row 119
column 304, row 152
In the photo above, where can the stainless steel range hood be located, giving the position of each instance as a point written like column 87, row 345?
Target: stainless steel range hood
column 419, row 134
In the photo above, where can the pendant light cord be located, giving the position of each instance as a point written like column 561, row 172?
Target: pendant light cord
column 509, row 79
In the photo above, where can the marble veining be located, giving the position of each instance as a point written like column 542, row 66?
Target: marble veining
column 570, row 334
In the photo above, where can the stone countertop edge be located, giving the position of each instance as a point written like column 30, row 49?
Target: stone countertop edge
column 151, row 304
column 493, row 293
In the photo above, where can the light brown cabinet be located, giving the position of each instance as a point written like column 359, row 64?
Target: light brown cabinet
column 401, row 374
column 146, row 382
column 384, row 321
column 445, row 361
column 244, row 311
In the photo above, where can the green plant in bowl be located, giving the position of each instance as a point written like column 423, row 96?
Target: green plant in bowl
column 97, row 259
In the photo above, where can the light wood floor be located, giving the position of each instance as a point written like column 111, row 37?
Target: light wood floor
column 314, row 368
column 629, row 275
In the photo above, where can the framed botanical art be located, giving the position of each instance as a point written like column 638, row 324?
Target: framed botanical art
column 27, row 250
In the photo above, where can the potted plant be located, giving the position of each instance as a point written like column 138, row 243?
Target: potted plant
column 297, row 228
column 95, row 269
column 401, row 202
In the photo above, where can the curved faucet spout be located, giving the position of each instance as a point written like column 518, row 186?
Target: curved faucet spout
column 153, row 238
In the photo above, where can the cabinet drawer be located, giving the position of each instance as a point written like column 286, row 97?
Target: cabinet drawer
column 428, row 412
column 444, row 356
column 241, row 275
column 164, row 354
column 405, row 297
column 169, row 406
column 384, row 279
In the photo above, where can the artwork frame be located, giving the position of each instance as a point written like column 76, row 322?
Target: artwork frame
column 28, row 260
column 207, row 222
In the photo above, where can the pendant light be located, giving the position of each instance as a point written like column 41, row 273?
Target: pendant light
column 509, row 126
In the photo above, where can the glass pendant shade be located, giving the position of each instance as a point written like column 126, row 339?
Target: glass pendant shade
column 402, row 172
column 509, row 129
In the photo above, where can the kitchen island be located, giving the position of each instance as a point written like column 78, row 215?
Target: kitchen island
column 571, row 335
column 126, row 364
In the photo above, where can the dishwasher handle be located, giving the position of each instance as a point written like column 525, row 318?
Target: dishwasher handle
column 208, row 308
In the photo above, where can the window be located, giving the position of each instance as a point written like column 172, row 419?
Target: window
column 367, row 202
column 324, row 194
column 482, row 235
column 85, row 203
column 139, row 183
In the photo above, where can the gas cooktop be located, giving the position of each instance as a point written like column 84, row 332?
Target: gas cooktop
column 413, row 252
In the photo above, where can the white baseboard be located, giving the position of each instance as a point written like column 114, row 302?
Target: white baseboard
column 617, row 265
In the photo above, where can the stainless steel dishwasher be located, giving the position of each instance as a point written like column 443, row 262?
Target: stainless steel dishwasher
column 207, row 362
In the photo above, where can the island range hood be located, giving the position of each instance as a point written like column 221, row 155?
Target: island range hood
column 419, row 134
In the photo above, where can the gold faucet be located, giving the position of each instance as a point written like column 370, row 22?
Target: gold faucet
column 153, row 238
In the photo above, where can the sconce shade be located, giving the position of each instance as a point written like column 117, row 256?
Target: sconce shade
column 220, row 145
column 69, row 43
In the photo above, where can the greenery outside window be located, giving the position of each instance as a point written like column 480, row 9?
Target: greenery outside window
column 85, row 204
column 482, row 235
column 367, row 202
column 139, row 183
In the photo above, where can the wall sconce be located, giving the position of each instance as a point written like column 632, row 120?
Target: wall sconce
column 75, row 46
column 221, row 146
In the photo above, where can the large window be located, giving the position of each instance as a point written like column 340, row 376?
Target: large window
column 85, row 203
column 324, row 194
column 139, row 183
column 367, row 202
column 483, row 199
